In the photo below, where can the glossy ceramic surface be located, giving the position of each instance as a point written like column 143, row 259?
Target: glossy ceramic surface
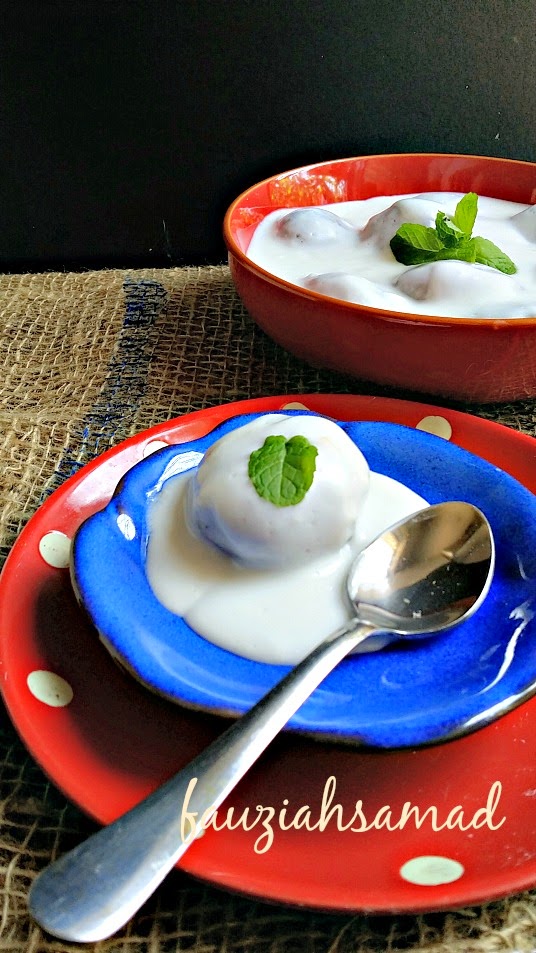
column 106, row 741
column 402, row 696
column 469, row 358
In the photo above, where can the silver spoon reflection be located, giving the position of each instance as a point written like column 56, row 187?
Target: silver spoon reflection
column 420, row 577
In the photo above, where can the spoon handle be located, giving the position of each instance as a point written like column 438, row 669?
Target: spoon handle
column 93, row 890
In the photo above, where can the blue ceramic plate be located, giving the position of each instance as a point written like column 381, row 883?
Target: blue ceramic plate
column 402, row 696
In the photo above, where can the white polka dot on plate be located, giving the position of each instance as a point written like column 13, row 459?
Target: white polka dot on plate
column 294, row 405
column 55, row 548
column 153, row 446
column 436, row 425
column 431, row 870
column 49, row 688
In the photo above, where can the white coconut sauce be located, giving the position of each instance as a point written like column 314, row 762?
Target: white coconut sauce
column 270, row 615
column 342, row 250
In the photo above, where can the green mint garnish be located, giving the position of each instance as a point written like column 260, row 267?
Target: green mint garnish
column 450, row 239
column 465, row 213
column 488, row 254
column 282, row 470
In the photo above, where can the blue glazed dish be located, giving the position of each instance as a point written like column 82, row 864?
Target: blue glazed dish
column 402, row 696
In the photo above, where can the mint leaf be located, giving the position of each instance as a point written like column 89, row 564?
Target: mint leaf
column 282, row 470
column 487, row 253
column 463, row 251
column 415, row 244
column 450, row 239
column 465, row 214
column 448, row 233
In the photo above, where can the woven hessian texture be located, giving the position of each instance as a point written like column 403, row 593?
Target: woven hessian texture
column 88, row 360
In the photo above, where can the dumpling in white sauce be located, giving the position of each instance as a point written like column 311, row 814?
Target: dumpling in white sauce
column 381, row 227
column 273, row 613
column 457, row 280
column 338, row 284
column 314, row 226
column 225, row 509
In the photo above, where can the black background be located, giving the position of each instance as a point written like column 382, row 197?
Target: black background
column 127, row 126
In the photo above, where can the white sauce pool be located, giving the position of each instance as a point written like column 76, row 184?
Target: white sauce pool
column 342, row 251
column 273, row 616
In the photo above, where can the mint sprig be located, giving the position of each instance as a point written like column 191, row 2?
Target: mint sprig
column 450, row 239
column 282, row 470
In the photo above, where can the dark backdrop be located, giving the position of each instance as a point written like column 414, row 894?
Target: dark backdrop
column 127, row 126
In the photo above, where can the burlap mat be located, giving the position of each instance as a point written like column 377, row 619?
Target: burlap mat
column 87, row 360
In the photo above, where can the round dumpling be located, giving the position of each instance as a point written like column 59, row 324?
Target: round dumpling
column 381, row 228
column 225, row 509
column 313, row 226
column 456, row 282
column 338, row 284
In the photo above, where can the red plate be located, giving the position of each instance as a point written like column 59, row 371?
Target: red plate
column 114, row 742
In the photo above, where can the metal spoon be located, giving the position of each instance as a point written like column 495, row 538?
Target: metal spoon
column 422, row 576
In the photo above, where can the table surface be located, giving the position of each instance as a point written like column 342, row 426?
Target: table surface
column 88, row 360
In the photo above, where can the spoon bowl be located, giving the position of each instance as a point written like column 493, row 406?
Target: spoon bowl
column 420, row 577
column 425, row 573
